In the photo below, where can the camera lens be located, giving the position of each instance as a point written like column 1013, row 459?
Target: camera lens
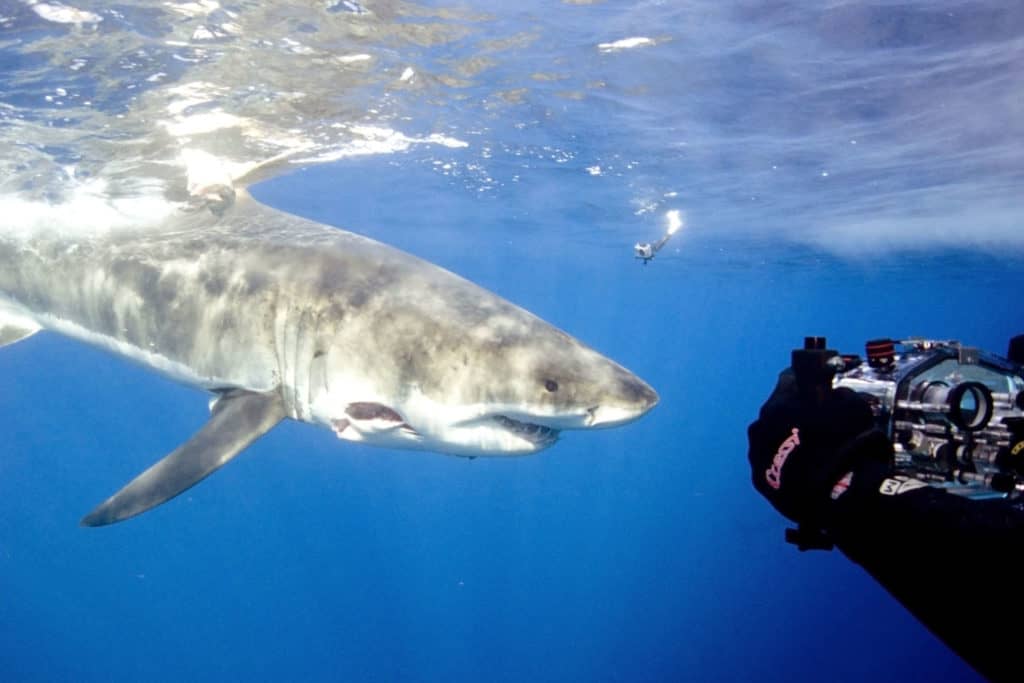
column 970, row 406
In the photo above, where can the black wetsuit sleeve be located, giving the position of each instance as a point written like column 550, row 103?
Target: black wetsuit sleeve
column 955, row 563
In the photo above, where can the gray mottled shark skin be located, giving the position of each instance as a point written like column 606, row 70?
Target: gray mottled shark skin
column 281, row 317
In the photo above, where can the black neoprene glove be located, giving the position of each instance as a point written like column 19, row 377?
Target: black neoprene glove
column 799, row 449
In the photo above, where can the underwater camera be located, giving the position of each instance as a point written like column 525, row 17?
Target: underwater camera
column 955, row 414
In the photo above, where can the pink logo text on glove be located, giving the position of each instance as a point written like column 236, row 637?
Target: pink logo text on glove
column 774, row 473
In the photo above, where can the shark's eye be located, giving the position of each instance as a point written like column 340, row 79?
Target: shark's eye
column 551, row 385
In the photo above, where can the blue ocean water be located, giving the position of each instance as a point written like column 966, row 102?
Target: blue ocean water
column 851, row 171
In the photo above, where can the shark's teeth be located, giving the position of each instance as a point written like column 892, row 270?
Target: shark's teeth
column 534, row 433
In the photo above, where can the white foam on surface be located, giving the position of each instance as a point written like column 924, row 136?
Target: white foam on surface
column 625, row 44
column 194, row 9
column 63, row 14
column 352, row 59
column 207, row 122
column 379, row 140
column 87, row 211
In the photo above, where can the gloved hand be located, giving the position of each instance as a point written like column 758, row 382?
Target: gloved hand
column 799, row 448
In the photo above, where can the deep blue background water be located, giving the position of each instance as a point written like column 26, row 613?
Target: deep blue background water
column 638, row 554
column 635, row 554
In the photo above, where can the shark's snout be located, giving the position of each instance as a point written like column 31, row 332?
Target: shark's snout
column 633, row 399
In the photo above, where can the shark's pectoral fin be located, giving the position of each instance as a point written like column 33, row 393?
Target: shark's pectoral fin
column 238, row 418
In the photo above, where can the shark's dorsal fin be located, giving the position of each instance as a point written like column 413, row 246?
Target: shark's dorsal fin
column 237, row 419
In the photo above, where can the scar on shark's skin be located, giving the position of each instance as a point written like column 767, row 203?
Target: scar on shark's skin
column 367, row 410
column 372, row 411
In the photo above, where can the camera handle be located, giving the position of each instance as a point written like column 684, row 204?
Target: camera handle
column 813, row 374
column 813, row 370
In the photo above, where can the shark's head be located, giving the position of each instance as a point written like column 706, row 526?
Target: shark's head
column 486, row 379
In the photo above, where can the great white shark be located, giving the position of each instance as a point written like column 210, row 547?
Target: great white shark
column 281, row 317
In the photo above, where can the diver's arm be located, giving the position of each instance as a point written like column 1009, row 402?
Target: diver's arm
column 953, row 562
column 878, row 507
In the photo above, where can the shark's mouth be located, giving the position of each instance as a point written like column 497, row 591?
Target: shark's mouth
column 539, row 435
column 494, row 434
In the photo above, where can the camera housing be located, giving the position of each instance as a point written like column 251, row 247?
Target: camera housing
column 954, row 413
